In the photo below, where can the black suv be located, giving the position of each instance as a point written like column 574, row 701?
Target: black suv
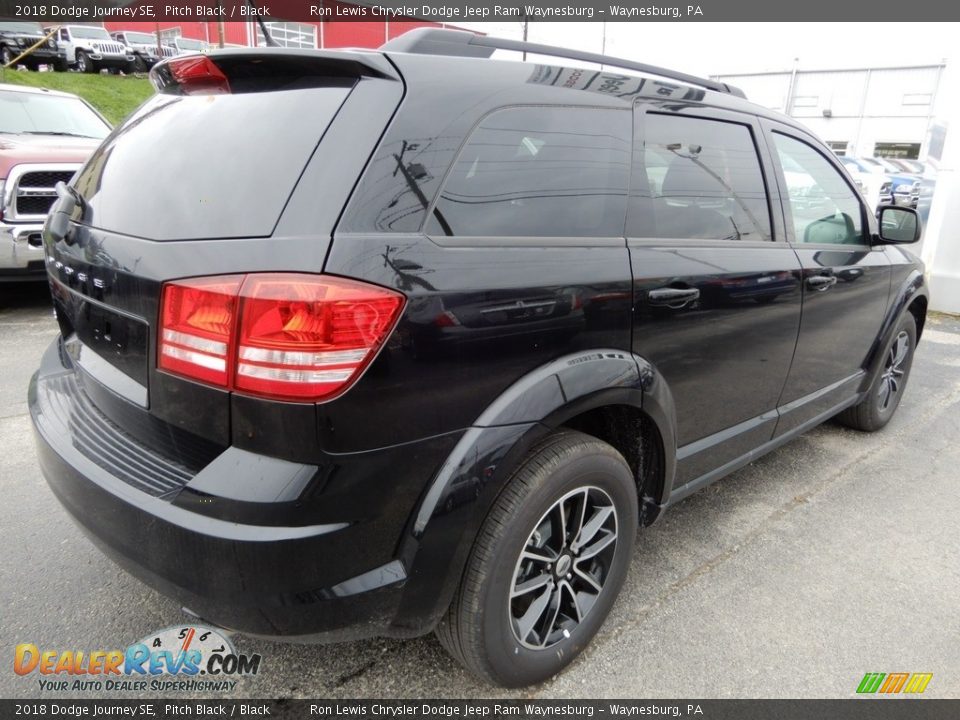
column 16, row 37
column 423, row 337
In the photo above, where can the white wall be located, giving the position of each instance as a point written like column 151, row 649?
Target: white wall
column 865, row 106
column 941, row 245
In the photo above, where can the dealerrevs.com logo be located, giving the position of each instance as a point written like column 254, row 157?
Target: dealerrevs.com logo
column 176, row 659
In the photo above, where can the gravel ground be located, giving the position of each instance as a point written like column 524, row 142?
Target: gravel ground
column 835, row 555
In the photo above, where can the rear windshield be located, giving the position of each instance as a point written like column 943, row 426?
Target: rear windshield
column 206, row 166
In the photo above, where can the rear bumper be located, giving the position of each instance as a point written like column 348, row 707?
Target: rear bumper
column 21, row 252
column 272, row 575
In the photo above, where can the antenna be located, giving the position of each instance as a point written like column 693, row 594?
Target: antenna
column 267, row 37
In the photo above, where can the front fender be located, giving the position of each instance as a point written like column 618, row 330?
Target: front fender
column 458, row 499
column 914, row 286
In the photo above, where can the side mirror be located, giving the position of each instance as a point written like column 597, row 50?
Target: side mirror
column 899, row 225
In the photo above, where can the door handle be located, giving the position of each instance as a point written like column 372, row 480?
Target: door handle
column 821, row 282
column 673, row 297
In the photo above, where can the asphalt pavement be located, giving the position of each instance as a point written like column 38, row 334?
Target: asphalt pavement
column 836, row 555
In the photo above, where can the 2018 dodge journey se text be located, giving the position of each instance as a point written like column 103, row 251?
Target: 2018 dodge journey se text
column 426, row 336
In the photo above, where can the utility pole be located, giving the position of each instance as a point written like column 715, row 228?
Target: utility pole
column 526, row 24
column 603, row 42
column 220, row 24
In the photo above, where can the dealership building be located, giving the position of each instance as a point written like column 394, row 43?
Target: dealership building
column 317, row 34
column 883, row 112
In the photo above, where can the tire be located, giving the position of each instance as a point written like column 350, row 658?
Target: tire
column 84, row 63
column 882, row 399
column 139, row 65
column 60, row 65
column 500, row 626
column 6, row 56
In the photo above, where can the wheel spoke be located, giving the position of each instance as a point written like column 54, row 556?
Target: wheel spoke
column 526, row 623
column 531, row 585
column 542, row 555
column 599, row 546
column 900, row 349
column 564, row 585
column 884, row 392
column 600, row 516
column 586, row 577
column 554, row 611
column 563, row 524
column 577, row 529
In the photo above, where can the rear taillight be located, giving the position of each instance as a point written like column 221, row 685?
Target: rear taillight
column 197, row 321
column 193, row 75
column 282, row 335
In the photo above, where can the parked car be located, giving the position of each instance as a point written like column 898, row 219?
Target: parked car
column 90, row 48
column 876, row 188
column 230, row 410
column 44, row 137
column 147, row 52
column 18, row 36
column 187, row 46
column 905, row 189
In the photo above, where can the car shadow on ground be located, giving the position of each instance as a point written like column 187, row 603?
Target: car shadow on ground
column 25, row 295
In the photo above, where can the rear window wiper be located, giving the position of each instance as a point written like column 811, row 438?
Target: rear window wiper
column 68, row 199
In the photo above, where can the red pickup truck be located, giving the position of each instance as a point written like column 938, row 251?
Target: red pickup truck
column 45, row 136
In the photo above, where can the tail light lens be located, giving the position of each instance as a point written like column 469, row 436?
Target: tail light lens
column 197, row 321
column 281, row 335
column 193, row 75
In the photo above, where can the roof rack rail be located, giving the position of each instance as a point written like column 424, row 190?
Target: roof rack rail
column 463, row 43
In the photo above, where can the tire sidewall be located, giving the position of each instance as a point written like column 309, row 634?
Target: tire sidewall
column 513, row 664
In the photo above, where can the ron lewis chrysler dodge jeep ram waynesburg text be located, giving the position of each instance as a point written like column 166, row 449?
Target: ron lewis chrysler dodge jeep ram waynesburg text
column 427, row 335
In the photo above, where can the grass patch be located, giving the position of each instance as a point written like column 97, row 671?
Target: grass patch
column 114, row 96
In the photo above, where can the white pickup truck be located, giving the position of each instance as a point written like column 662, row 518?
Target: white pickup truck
column 89, row 49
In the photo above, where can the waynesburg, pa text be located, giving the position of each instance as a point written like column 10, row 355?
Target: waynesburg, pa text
column 527, row 710
column 470, row 12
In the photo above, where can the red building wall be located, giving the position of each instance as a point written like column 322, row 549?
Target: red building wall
column 329, row 34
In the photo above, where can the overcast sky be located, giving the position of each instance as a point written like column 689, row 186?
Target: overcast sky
column 719, row 48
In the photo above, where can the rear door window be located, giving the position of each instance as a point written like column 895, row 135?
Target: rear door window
column 698, row 179
column 207, row 166
column 539, row 172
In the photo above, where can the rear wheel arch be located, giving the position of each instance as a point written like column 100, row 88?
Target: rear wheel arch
column 553, row 398
column 632, row 433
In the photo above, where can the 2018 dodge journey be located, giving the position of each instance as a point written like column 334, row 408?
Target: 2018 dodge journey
column 423, row 337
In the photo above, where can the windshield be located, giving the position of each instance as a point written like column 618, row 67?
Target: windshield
column 90, row 33
column 27, row 28
column 188, row 44
column 234, row 189
column 140, row 38
column 36, row 114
